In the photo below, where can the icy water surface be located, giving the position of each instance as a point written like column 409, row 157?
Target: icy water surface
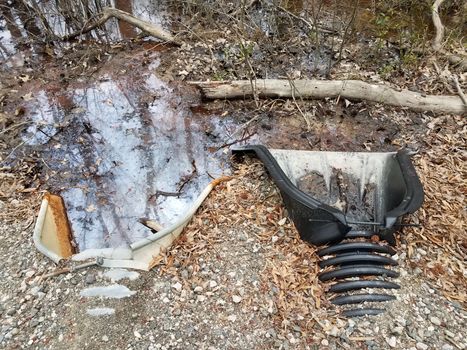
column 122, row 149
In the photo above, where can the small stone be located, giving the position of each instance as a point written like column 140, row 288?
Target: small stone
column 11, row 311
column 201, row 298
column 90, row 278
column 212, row 284
column 14, row 331
column 421, row 346
column 392, row 342
column 333, row 332
column 236, row 299
column 198, row 289
column 105, row 338
column 30, row 273
column 435, row 320
column 324, row 342
column 177, row 312
column 35, row 290
column 177, row 286
column 232, row 318
column 447, row 347
column 449, row 333
column 137, row 334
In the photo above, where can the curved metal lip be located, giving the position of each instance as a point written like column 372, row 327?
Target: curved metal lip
column 413, row 197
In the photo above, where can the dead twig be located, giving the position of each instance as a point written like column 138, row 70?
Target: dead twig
column 459, row 90
column 310, row 25
column 236, row 141
column 145, row 26
column 305, row 117
column 187, row 178
column 98, row 262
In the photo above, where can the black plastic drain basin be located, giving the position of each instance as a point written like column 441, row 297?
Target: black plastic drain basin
column 320, row 223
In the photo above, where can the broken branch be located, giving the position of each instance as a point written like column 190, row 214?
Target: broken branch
column 145, row 26
column 459, row 91
column 319, row 89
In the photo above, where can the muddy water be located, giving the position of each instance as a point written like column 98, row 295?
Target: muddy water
column 122, row 149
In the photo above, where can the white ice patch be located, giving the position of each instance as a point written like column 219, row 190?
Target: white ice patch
column 116, row 275
column 100, row 311
column 114, row 291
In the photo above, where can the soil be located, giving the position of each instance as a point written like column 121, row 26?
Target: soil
column 91, row 120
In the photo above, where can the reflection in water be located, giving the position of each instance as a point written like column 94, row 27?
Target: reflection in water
column 64, row 17
column 46, row 118
column 126, row 29
column 151, row 11
column 7, row 43
column 119, row 157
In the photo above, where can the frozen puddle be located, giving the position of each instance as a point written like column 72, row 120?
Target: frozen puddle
column 100, row 311
column 125, row 149
column 114, row 291
column 116, row 275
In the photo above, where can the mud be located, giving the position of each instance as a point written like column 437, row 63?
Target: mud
column 344, row 193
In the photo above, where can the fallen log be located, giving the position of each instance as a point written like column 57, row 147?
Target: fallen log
column 319, row 89
column 145, row 26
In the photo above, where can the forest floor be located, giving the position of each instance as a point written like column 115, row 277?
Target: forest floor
column 239, row 277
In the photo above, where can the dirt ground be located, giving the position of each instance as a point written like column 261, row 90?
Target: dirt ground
column 239, row 277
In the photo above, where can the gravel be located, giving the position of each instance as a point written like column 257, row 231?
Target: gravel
column 217, row 301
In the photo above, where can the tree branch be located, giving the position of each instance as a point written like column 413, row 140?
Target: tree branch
column 319, row 89
column 145, row 26
column 437, row 42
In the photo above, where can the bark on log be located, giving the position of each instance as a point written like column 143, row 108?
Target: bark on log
column 319, row 89
column 145, row 26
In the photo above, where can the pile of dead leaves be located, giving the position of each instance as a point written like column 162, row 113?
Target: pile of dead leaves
column 291, row 265
column 442, row 167
column 251, row 200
